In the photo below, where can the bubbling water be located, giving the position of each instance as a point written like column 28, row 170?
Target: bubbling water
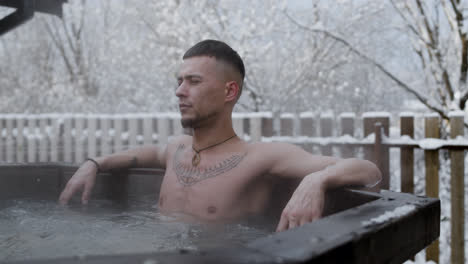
column 37, row 229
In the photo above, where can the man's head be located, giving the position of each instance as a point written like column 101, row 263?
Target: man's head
column 222, row 52
column 210, row 82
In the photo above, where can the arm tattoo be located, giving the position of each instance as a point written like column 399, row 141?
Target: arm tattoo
column 189, row 175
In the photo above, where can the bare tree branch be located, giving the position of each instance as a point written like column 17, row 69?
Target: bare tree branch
column 407, row 22
column 59, row 45
column 402, row 84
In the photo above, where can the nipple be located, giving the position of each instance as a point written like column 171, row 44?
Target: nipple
column 211, row 209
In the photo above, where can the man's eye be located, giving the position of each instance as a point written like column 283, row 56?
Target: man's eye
column 194, row 81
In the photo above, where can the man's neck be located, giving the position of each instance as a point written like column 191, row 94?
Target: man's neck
column 212, row 133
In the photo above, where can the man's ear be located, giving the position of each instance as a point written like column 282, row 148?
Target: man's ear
column 231, row 91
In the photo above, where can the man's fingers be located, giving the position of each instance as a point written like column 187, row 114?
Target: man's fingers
column 305, row 220
column 288, row 221
column 292, row 223
column 62, row 199
column 316, row 215
column 66, row 195
column 283, row 224
column 86, row 193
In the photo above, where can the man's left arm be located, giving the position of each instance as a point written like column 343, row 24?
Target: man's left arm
column 318, row 174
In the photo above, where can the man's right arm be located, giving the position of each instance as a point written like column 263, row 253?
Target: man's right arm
column 85, row 176
column 142, row 157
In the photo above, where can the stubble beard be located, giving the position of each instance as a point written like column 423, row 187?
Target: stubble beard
column 188, row 122
column 195, row 122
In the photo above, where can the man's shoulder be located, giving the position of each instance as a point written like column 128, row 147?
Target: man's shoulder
column 269, row 156
column 272, row 149
column 269, row 146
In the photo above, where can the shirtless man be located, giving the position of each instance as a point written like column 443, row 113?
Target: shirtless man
column 215, row 175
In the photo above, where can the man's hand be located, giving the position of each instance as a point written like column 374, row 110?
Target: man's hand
column 305, row 205
column 83, row 179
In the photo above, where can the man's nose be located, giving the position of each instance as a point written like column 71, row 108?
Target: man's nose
column 181, row 90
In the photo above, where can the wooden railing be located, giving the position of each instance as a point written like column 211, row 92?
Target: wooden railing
column 72, row 138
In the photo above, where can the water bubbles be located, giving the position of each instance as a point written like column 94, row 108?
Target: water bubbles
column 35, row 229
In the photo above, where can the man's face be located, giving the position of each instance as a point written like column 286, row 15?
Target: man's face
column 200, row 90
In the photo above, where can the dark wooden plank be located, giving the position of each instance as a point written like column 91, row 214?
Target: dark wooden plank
column 347, row 128
column 326, row 130
column 407, row 155
column 431, row 158
column 308, row 125
column 287, row 125
column 267, row 126
column 457, row 192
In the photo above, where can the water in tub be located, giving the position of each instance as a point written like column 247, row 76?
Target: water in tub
column 35, row 229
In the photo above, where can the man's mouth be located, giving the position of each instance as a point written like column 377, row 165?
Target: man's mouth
column 184, row 106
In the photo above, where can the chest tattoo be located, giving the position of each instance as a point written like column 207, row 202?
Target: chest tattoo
column 189, row 175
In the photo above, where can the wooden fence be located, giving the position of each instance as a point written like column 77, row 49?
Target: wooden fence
column 72, row 138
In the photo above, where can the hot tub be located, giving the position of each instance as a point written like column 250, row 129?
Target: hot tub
column 358, row 227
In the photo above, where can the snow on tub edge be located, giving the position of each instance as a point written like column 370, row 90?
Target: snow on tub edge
column 388, row 215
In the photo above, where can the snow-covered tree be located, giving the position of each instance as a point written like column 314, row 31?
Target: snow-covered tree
column 121, row 56
column 437, row 30
column 432, row 37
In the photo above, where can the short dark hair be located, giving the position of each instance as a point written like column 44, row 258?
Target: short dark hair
column 219, row 50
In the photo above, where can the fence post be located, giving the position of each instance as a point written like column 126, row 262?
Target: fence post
column 326, row 130
column 267, row 124
column 132, row 131
column 258, row 125
column 308, row 127
column 347, row 128
column 117, row 146
column 370, row 119
column 9, row 139
column 54, row 138
column 79, row 139
column 148, row 129
column 31, row 139
column 407, row 154
column 105, row 137
column 43, row 143
column 378, row 144
column 163, row 130
column 20, row 138
column 255, row 126
column 287, row 124
column 92, row 136
column 431, row 158
column 457, row 183
column 67, row 138
column 307, row 124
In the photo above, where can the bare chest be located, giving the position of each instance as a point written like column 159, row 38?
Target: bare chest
column 220, row 187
